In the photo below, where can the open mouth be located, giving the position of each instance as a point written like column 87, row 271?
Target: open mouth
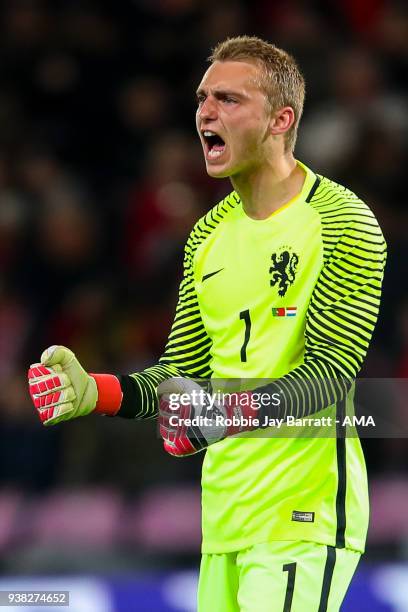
column 214, row 144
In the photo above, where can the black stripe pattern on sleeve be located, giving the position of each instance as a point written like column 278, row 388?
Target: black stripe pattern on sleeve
column 188, row 349
column 344, row 304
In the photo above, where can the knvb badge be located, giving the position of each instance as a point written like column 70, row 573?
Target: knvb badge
column 289, row 311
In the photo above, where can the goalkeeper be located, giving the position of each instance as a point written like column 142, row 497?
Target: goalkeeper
column 282, row 281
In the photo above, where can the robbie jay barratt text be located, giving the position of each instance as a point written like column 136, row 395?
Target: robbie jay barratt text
column 289, row 421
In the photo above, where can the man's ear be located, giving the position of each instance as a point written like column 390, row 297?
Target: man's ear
column 282, row 120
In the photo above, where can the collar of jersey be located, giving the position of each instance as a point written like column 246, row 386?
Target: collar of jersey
column 309, row 181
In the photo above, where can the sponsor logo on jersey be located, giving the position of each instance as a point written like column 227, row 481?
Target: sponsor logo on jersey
column 283, row 269
column 289, row 311
column 303, row 517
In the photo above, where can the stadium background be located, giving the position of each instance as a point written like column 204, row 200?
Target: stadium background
column 101, row 178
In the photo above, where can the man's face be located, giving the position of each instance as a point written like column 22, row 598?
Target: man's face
column 232, row 118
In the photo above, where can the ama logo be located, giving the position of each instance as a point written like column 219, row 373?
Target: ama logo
column 283, row 269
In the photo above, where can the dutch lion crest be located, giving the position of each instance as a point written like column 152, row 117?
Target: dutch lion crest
column 283, row 269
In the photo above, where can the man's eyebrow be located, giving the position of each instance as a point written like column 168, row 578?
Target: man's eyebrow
column 219, row 93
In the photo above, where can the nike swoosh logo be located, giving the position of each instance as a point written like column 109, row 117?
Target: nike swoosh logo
column 211, row 274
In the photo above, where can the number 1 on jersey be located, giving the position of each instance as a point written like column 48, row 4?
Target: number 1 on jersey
column 291, row 569
column 244, row 315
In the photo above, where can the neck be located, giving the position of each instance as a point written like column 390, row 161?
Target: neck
column 267, row 188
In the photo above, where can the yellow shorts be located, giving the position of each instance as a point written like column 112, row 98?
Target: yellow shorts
column 279, row 576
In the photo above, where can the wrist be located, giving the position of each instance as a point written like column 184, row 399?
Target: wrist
column 109, row 394
column 241, row 414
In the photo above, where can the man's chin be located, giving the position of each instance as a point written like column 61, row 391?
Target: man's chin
column 215, row 171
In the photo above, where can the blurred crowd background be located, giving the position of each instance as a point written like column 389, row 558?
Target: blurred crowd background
column 101, row 179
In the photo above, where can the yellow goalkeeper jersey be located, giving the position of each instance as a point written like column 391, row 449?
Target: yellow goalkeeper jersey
column 293, row 297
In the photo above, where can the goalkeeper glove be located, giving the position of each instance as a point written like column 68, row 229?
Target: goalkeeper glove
column 189, row 420
column 61, row 389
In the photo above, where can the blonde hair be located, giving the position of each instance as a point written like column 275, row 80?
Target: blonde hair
column 280, row 78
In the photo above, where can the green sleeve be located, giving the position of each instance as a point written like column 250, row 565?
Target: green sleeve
column 187, row 352
column 340, row 321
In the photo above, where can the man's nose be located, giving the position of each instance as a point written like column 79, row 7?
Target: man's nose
column 208, row 109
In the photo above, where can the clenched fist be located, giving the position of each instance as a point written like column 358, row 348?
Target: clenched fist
column 60, row 388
